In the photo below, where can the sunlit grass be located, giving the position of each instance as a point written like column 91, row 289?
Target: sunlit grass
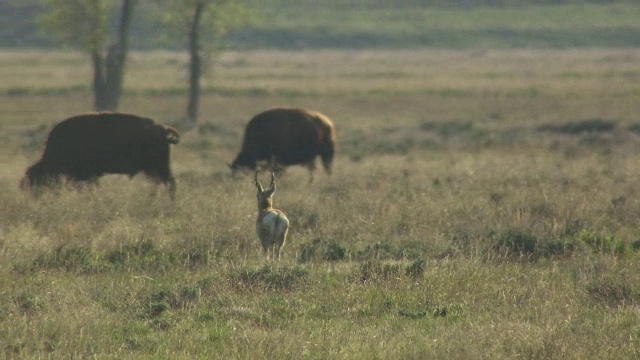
column 482, row 205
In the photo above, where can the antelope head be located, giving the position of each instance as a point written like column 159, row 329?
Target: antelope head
column 264, row 196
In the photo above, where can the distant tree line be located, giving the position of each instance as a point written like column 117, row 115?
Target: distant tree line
column 385, row 4
column 106, row 29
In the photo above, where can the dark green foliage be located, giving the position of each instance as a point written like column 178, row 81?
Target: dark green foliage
column 199, row 255
column 70, row 258
column 156, row 308
column 440, row 311
column 416, row 269
column 448, row 129
column 372, row 270
column 614, row 293
column 171, row 299
column 142, row 254
column 553, row 248
column 380, row 251
column 602, row 243
column 127, row 252
column 269, row 278
column 634, row 128
column 412, row 313
column 514, row 243
column 610, row 285
column 28, row 302
column 321, row 250
column 588, row 126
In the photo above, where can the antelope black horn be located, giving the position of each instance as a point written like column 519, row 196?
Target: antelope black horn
column 257, row 182
column 273, row 181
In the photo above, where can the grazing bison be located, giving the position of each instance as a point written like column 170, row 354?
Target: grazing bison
column 85, row 147
column 287, row 136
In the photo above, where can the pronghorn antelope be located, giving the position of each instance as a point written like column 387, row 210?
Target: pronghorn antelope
column 272, row 224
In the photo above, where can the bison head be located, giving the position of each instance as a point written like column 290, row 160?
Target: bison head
column 242, row 162
column 35, row 177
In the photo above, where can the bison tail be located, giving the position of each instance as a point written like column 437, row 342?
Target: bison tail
column 173, row 136
column 328, row 147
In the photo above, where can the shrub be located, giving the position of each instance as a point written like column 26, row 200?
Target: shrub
column 596, row 125
column 28, row 302
column 514, row 242
column 416, row 269
column 376, row 270
column 166, row 299
column 557, row 248
column 614, row 294
column 268, row 278
column 447, row 129
column 319, row 249
column 70, row 259
column 601, row 243
column 142, row 255
column 634, row 128
column 199, row 255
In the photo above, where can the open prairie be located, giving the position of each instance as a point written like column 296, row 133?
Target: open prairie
column 484, row 204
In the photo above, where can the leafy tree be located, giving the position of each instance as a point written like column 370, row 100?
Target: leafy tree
column 203, row 25
column 83, row 24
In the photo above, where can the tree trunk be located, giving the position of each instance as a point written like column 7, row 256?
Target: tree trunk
column 109, row 73
column 195, row 63
column 100, row 101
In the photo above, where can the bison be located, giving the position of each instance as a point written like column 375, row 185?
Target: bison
column 287, row 136
column 86, row 147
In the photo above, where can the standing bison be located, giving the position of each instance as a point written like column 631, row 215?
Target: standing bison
column 85, row 147
column 287, row 136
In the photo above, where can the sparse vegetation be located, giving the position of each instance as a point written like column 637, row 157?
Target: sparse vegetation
column 452, row 227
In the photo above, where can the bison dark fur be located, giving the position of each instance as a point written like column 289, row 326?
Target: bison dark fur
column 85, row 147
column 287, row 136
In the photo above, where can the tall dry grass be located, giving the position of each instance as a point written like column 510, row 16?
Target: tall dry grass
column 483, row 205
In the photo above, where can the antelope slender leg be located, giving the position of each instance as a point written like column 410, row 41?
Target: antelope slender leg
column 276, row 252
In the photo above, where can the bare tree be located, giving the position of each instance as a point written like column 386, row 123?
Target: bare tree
column 195, row 63
column 83, row 24
column 203, row 23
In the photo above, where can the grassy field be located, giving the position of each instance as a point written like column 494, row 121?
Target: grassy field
column 484, row 204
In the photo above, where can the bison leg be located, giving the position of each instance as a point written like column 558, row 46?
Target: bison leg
column 311, row 165
column 81, row 180
column 165, row 178
column 171, row 184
